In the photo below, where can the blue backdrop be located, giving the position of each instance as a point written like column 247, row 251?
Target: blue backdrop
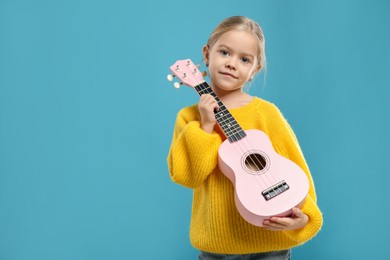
column 86, row 119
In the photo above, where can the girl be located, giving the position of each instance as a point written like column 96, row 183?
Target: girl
column 234, row 54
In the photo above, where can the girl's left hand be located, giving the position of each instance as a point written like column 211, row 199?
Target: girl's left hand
column 296, row 221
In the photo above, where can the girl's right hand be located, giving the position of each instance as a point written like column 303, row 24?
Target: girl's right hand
column 207, row 104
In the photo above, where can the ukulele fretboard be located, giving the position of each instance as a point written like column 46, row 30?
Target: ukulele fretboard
column 226, row 121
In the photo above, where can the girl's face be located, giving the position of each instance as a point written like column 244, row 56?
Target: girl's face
column 232, row 60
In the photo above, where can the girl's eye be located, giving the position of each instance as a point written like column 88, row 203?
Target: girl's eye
column 224, row 52
column 245, row 60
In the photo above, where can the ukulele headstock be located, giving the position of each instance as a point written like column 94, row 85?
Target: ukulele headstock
column 187, row 72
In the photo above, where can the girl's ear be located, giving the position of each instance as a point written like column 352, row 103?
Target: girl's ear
column 206, row 55
column 256, row 70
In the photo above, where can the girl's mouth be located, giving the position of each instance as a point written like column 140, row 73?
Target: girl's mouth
column 228, row 74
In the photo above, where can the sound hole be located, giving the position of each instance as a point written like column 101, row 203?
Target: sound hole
column 255, row 162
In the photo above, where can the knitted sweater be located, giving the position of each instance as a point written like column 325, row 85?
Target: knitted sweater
column 216, row 225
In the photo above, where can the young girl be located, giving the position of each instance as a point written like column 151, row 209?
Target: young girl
column 234, row 54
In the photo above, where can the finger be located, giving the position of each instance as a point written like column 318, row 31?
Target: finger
column 208, row 99
column 297, row 212
column 212, row 102
column 216, row 106
column 274, row 225
column 284, row 222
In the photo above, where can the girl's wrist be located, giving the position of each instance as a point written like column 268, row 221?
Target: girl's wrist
column 208, row 128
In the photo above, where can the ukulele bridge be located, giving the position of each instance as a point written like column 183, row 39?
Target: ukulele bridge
column 275, row 190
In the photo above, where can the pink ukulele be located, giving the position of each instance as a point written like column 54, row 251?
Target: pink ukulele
column 266, row 184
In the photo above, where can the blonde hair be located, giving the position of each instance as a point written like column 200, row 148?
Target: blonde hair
column 241, row 23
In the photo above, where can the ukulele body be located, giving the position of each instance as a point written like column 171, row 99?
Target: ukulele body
column 266, row 184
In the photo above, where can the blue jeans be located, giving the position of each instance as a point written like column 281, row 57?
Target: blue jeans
column 276, row 255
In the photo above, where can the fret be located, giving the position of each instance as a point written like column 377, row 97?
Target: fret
column 230, row 124
column 226, row 121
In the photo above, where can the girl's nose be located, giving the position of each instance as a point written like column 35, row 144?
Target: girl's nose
column 231, row 64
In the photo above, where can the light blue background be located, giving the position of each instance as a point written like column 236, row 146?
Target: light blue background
column 86, row 119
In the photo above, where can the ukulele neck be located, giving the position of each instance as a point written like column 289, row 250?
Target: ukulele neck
column 226, row 121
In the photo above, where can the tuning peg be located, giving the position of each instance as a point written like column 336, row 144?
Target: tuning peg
column 170, row 77
column 177, row 84
column 204, row 73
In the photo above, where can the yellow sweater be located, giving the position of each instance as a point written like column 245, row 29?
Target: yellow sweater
column 216, row 225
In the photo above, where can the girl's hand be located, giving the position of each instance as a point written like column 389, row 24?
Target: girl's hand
column 207, row 104
column 296, row 221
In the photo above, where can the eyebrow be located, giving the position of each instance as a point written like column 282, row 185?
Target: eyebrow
column 227, row 47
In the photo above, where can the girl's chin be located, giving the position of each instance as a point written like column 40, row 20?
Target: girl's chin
column 227, row 84
column 227, row 88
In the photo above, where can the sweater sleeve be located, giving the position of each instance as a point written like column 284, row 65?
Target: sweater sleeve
column 289, row 147
column 193, row 154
